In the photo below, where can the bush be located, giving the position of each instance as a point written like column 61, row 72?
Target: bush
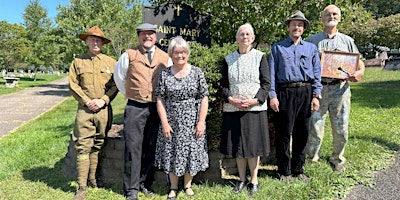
column 210, row 60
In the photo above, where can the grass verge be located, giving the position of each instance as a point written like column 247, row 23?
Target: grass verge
column 27, row 82
column 31, row 158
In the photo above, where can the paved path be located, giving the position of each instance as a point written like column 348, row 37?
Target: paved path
column 21, row 107
column 386, row 185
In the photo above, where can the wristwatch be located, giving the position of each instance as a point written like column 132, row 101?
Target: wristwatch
column 318, row 96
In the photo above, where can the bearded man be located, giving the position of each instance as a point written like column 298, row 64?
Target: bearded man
column 335, row 93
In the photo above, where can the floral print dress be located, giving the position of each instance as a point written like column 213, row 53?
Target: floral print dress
column 184, row 153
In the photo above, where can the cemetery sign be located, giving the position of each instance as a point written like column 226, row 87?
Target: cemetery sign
column 173, row 19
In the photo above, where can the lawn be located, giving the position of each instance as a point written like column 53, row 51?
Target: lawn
column 27, row 82
column 31, row 158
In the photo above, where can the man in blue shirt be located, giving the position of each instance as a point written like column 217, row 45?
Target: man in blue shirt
column 336, row 92
column 294, row 94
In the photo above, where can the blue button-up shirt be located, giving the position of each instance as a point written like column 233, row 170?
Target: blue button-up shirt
column 294, row 63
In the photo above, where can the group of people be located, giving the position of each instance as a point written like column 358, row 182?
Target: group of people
column 164, row 119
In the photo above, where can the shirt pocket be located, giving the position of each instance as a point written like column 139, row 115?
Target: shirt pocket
column 287, row 61
column 105, row 75
column 85, row 75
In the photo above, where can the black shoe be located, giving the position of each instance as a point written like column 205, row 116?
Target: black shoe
column 146, row 191
column 252, row 188
column 239, row 187
column 172, row 197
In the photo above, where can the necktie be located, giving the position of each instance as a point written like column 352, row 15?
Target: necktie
column 149, row 56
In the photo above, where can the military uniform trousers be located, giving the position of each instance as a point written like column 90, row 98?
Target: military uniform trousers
column 91, row 129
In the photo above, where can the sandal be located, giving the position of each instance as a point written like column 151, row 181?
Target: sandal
column 173, row 197
column 186, row 192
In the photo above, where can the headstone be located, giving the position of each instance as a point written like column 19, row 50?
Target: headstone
column 173, row 19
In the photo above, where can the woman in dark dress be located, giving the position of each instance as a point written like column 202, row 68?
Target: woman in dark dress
column 182, row 103
column 245, row 84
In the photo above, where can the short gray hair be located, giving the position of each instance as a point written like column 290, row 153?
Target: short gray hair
column 179, row 42
column 332, row 5
column 246, row 25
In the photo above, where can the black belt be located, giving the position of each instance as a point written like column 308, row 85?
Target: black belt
column 140, row 104
column 334, row 82
column 294, row 84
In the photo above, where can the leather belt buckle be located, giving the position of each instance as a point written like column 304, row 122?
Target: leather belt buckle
column 334, row 82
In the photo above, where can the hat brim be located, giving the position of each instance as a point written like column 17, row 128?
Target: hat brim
column 306, row 22
column 84, row 36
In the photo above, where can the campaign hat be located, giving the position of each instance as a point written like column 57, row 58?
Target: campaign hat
column 94, row 31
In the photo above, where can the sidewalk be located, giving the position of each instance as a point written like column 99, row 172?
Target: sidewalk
column 18, row 108
column 386, row 185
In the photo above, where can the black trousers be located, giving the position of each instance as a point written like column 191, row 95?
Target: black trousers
column 292, row 120
column 141, row 124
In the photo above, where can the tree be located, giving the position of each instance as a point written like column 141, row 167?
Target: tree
column 382, row 8
column 13, row 45
column 383, row 31
column 117, row 19
column 39, row 34
column 266, row 16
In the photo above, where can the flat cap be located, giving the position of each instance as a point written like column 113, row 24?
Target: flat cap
column 298, row 15
column 146, row 27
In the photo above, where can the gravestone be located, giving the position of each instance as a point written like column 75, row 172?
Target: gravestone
column 393, row 63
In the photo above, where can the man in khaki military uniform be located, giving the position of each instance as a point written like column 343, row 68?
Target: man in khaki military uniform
column 91, row 84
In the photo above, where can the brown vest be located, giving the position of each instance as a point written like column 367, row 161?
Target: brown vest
column 142, row 77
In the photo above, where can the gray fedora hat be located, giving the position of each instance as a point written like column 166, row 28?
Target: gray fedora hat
column 298, row 15
column 146, row 27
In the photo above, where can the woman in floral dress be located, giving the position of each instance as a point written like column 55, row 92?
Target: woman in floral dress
column 182, row 103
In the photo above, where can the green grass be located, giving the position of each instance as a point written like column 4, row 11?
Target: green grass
column 31, row 158
column 27, row 82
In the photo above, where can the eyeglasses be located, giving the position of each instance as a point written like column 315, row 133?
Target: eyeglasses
column 177, row 53
column 245, row 35
column 334, row 14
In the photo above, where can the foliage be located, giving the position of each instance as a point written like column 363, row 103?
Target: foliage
column 210, row 60
column 382, row 8
column 13, row 45
column 266, row 16
column 117, row 19
column 384, row 31
column 42, row 41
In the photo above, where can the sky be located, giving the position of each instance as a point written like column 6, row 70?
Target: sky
column 12, row 10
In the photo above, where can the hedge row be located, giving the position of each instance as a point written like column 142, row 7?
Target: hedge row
column 210, row 60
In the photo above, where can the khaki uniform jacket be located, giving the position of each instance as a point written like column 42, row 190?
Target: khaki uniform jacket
column 91, row 77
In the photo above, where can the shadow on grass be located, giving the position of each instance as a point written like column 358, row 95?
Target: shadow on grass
column 382, row 94
column 392, row 146
column 53, row 177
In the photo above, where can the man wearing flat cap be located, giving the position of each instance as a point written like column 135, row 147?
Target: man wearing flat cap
column 136, row 76
column 91, row 84
column 294, row 94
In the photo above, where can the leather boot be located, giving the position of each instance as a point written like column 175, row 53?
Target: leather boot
column 81, row 193
column 94, row 160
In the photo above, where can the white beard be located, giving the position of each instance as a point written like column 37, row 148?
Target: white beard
column 331, row 23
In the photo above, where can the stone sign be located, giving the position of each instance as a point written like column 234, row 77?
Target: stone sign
column 173, row 19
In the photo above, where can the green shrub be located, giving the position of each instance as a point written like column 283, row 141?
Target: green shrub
column 210, row 60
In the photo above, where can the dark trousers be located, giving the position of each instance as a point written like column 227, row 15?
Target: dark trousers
column 292, row 119
column 141, row 124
